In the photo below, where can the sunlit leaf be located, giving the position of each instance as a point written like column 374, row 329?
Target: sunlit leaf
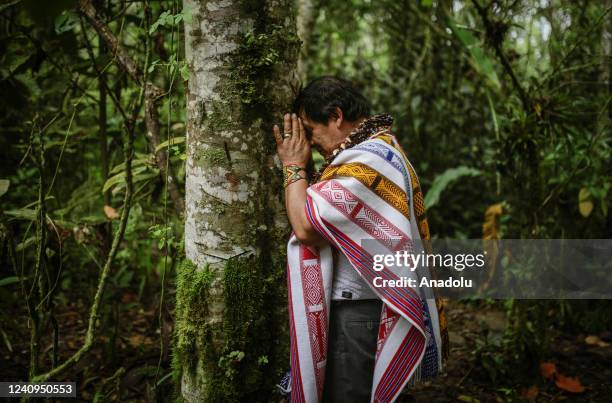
column 443, row 180
column 8, row 280
column 595, row 341
column 481, row 62
column 171, row 142
column 4, row 186
column 141, row 159
column 66, row 21
column 22, row 213
column 585, row 203
column 120, row 178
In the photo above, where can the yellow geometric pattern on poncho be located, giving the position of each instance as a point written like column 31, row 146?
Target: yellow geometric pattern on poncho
column 417, row 194
column 381, row 185
column 423, row 226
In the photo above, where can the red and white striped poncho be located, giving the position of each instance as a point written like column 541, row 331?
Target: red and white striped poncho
column 365, row 194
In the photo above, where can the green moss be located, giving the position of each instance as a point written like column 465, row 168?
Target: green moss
column 192, row 287
column 254, row 58
column 245, row 336
column 222, row 110
column 212, row 157
column 235, row 370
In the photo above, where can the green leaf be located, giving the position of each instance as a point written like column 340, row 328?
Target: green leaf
column 17, row 61
column 139, row 175
column 22, row 214
column 141, row 159
column 184, row 72
column 161, row 20
column 171, row 142
column 120, row 178
column 9, row 280
column 25, row 244
column 66, row 21
column 479, row 60
column 443, row 180
column 4, row 186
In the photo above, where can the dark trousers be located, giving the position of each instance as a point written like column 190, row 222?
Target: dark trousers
column 353, row 330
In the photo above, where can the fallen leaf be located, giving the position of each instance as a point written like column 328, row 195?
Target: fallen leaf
column 568, row 384
column 111, row 213
column 136, row 340
column 548, row 370
column 530, row 393
column 595, row 341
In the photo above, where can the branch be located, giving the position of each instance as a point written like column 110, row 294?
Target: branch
column 497, row 46
column 94, row 314
column 123, row 58
column 152, row 94
column 99, row 74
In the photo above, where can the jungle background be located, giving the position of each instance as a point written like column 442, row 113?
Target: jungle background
column 503, row 106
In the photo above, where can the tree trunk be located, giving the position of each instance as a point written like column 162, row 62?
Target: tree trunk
column 230, row 335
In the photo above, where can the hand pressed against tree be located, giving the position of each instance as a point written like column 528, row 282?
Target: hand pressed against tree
column 292, row 146
column 293, row 149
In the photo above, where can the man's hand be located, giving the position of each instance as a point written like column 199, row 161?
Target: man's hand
column 293, row 149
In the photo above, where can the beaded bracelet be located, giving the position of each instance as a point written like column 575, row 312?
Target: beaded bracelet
column 291, row 173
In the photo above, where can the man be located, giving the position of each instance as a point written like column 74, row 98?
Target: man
column 352, row 341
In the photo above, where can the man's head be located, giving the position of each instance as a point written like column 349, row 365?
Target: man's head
column 330, row 107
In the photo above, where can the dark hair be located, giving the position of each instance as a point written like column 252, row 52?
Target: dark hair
column 322, row 95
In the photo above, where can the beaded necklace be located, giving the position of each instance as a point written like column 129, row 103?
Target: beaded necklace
column 365, row 130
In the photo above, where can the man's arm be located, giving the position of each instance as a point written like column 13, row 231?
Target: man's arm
column 295, row 203
column 295, row 150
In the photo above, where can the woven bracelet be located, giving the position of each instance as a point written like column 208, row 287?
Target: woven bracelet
column 291, row 173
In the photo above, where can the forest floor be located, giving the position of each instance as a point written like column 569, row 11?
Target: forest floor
column 123, row 368
column 469, row 379
column 122, row 365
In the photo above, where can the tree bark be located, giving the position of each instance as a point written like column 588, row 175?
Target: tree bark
column 231, row 291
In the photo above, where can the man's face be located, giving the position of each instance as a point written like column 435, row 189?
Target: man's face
column 317, row 133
